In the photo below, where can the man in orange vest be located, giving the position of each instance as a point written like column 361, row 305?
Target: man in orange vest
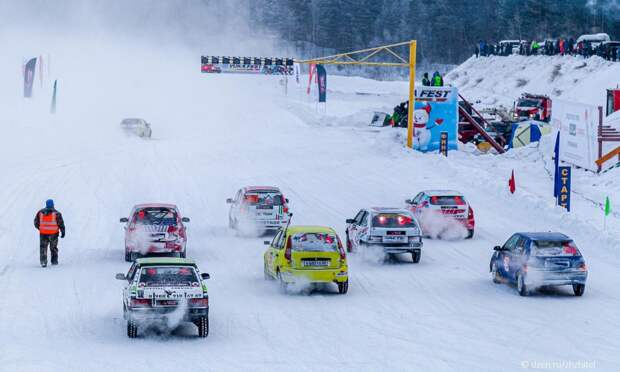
column 49, row 222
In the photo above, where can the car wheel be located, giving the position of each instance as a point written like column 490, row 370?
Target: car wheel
column 415, row 256
column 495, row 274
column 182, row 254
column 203, row 326
column 521, row 287
column 283, row 284
column 579, row 289
column 132, row 329
column 266, row 273
column 343, row 287
column 470, row 234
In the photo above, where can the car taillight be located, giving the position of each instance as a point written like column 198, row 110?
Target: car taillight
column 285, row 209
column 470, row 213
column 582, row 267
column 140, row 302
column 569, row 249
column 199, row 302
column 459, row 200
column 287, row 250
column 172, row 229
column 343, row 254
column 382, row 220
column 434, row 200
column 404, row 220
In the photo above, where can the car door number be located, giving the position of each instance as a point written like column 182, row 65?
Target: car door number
column 507, row 264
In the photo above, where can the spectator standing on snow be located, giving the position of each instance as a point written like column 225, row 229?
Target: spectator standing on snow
column 49, row 222
column 571, row 45
column 437, row 80
column 425, row 80
column 534, row 47
column 561, row 46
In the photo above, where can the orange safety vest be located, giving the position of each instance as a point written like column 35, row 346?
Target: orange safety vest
column 48, row 224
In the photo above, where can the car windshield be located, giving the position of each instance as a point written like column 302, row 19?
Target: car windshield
column 447, row 200
column 267, row 198
column 393, row 220
column 166, row 275
column 156, row 216
column 528, row 103
column 314, row 242
column 131, row 121
column 555, row 248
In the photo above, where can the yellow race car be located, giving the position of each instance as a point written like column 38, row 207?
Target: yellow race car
column 307, row 255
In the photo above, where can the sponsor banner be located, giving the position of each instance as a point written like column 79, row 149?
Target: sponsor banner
column 247, row 65
column 29, row 70
column 321, row 75
column 578, row 127
column 564, row 187
column 435, row 111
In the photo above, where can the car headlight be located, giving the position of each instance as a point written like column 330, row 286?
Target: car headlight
column 374, row 239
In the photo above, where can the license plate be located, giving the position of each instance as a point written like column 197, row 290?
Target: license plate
column 168, row 302
column 394, row 239
column 269, row 222
column 557, row 264
column 317, row 263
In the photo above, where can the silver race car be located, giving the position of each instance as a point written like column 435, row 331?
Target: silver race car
column 394, row 229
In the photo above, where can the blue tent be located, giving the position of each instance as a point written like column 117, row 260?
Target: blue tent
column 525, row 132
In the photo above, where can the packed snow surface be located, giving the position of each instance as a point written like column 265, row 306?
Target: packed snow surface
column 215, row 133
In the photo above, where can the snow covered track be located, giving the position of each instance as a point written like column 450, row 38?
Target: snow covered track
column 213, row 134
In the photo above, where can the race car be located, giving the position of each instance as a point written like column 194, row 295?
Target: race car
column 393, row 229
column 534, row 260
column 162, row 292
column 154, row 229
column 136, row 126
column 307, row 255
column 258, row 209
column 439, row 210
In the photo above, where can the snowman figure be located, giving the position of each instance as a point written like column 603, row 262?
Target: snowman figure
column 422, row 128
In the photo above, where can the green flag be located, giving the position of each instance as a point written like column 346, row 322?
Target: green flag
column 607, row 206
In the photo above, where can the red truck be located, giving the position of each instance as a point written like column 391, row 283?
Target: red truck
column 533, row 106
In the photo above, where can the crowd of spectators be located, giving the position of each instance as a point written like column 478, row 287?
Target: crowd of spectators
column 584, row 47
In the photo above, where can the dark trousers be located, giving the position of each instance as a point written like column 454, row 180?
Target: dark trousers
column 52, row 241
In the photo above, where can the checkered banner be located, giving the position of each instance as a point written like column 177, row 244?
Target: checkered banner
column 248, row 65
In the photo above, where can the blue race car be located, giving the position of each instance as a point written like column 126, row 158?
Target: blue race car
column 534, row 260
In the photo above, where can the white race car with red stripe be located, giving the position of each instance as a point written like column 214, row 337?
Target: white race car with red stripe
column 441, row 212
column 154, row 228
column 258, row 209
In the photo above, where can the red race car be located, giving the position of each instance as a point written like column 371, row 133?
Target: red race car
column 154, row 229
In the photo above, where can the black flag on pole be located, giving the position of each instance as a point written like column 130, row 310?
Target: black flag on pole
column 29, row 77
column 322, row 82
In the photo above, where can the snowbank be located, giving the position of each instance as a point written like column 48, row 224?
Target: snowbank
column 500, row 80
